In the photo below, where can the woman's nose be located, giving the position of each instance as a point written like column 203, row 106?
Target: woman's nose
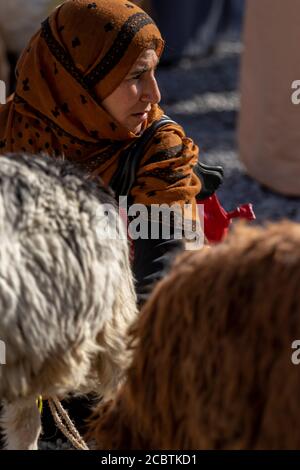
column 151, row 92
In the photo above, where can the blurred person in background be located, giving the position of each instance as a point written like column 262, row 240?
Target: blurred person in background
column 269, row 135
column 19, row 20
column 193, row 28
column 4, row 66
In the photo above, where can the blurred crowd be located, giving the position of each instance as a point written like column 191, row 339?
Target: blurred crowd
column 192, row 28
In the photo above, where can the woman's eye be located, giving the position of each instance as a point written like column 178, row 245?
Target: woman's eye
column 136, row 77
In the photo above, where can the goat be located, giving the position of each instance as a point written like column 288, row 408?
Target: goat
column 66, row 290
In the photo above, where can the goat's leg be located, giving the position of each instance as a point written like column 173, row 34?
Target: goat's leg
column 21, row 424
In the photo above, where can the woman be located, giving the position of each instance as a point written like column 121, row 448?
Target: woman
column 86, row 90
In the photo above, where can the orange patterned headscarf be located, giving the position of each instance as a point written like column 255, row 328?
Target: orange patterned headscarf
column 56, row 109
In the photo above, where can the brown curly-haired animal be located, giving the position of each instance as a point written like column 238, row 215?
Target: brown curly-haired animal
column 212, row 366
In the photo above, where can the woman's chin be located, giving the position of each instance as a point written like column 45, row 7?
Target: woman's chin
column 135, row 129
column 138, row 129
column 137, row 122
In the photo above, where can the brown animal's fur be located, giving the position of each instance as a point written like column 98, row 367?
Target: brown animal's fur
column 212, row 366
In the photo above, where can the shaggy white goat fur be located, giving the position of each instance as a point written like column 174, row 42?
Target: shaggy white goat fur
column 66, row 290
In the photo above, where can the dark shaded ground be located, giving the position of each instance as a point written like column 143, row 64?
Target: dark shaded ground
column 202, row 95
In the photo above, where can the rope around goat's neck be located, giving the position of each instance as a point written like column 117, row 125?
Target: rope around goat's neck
column 68, row 429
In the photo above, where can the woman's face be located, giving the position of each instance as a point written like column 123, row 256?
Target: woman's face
column 130, row 103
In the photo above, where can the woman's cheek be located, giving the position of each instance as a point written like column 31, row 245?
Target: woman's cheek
column 136, row 91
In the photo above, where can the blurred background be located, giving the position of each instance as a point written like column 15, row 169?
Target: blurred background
column 199, row 77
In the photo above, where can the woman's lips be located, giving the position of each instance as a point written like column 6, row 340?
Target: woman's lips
column 141, row 116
